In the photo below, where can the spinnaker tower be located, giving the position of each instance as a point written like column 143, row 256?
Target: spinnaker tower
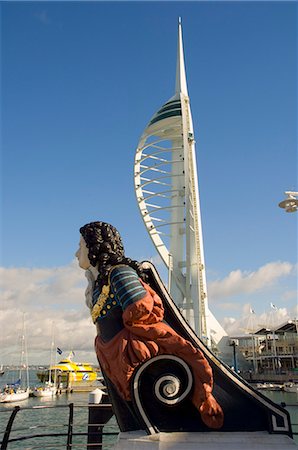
column 166, row 185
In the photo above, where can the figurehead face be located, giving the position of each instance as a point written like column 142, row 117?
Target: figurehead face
column 82, row 254
column 101, row 241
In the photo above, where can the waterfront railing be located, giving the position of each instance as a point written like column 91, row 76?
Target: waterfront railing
column 94, row 430
column 94, row 433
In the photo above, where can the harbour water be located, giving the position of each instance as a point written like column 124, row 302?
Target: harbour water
column 55, row 420
column 49, row 415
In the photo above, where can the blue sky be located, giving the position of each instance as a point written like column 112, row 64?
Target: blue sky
column 80, row 81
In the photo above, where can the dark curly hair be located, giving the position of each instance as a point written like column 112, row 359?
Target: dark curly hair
column 105, row 249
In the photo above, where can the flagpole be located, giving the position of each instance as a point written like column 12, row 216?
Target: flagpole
column 274, row 361
column 51, row 356
column 55, row 371
column 251, row 330
column 255, row 366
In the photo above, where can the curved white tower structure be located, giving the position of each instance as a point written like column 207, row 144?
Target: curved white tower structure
column 166, row 184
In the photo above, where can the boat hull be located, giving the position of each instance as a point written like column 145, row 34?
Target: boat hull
column 69, row 373
column 291, row 387
column 269, row 386
column 44, row 392
column 245, row 408
column 11, row 397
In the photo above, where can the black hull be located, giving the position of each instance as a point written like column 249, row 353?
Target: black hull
column 245, row 409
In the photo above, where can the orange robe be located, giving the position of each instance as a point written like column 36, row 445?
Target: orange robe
column 144, row 336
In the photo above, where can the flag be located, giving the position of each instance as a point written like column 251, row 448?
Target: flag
column 273, row 306
column 71, row 354
column 59, row 351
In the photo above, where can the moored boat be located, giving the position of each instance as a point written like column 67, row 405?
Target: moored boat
column 269, row 386
column 18, row 390
column 11, row 395
column 290, row 387
column 70, row 372
column 47, row 390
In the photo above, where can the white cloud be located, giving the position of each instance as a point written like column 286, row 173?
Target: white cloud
column 288, row 295
column 228, row 322
column 238, row 282
column 61, row 286
column 46, row 296
column 249, row 322
column 273, row 319
column 56, row 296
column 229, row 306
column 294, row 311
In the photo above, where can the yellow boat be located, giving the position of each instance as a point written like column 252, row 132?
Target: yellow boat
column 70, row 372
column 76, row 372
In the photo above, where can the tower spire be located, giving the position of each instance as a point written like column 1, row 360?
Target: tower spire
column 181, row 85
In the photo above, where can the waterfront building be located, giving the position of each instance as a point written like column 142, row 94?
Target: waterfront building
column 271, row 351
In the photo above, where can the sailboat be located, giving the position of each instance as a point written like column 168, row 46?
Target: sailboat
column 18, row 391
column 14, row 393
column 2, row 371
column 48, row 389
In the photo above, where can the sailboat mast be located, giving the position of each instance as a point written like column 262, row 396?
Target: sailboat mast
column 51, row 355
column 21, row 355
column 26, row 357
column 24, row 354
